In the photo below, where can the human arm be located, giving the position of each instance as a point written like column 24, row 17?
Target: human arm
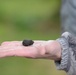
column 39, row 50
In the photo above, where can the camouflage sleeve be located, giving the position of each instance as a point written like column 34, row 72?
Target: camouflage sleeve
column 68, row 55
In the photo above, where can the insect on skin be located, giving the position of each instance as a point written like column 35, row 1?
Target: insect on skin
column 27, row 42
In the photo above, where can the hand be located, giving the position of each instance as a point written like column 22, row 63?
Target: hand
column 40, row 49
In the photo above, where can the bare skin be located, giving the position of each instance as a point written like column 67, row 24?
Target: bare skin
column 39, row 50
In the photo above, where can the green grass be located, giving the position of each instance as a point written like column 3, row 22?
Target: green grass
column 28, row 19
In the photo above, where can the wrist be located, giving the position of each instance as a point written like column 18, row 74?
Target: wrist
column 53, row 49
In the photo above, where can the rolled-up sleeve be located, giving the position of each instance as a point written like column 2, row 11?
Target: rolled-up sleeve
column 68, row 53
column 64, row 55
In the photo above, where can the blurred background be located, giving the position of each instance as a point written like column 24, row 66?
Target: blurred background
column 29, row 19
